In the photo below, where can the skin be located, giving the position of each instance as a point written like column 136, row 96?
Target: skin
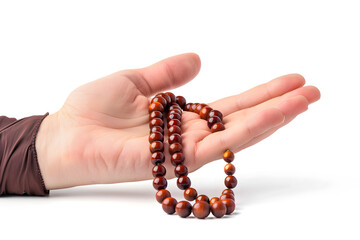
column 100, row 134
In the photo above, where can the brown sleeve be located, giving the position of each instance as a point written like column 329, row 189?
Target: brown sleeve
column 19, row 169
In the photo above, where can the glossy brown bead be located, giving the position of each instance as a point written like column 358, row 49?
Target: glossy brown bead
column 172, row 97
column 177, row 158
column 160, row 99
column 175, row 111
column 156, row 106
column 174, row 116
column 227, row 195
column 230, row 181
column 156, row 136
column 212, row 120
column 217, row 127
column 181, row 101
column 174, row 129
column 201, row 209
column 183, row 182
column 187, row 107
column 199, row 107
column 190, row 194
column 218, row 209
column 228, row 191
column 174, row 122
column 161, row 195
column 204, row 112
column 155, row 114
column 168, row 99
column 158, row 171
column 175, row 147
column 181, row 170
column 156, row 146
column 216, row 113
column 156, row 122
column 157, row 129
column 159, row 183
column 157, row 158
column 229, row 169
column 169, row 204
column 175, row 107
column 183, row 209
column 175, row 138
column 228, row 156
column 203, row 198
column 193, row 107
column 212, row 200
column 230, row 205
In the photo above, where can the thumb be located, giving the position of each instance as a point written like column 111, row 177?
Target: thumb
column 169, row 73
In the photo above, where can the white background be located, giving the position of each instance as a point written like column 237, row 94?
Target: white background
column 301, row 183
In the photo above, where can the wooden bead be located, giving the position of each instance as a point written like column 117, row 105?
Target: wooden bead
column 174, row 129
column 155, row 114
column 169, row 204
column 156, row 146
column 172, row 96
column 203, row 198
column 229, row 169
column 201, row 209
column 199, row 107
column 218, row 209
column 190, row 194
column 212, row 200
column 175, row 111
column 162, row 194
column 156, row 136
column 181, row 170
column 175, row 138
column 175, row 147
column 156, row 122
column 157, row 158
column 173, row 116
column 161, row 100
column 174, row 122
column 193, row 107
column 214, row 113
column 177, row 158
column 181, row 101
column 230, row 181
column 159, row 183
column 227, row 195
column 157, row 129
column 187, row 107
column 175, row 107
column 217, row 127
column 168, row 99
column 156, row 106
column 228, row 156
column 158, row 171
column 230, row 205
column 183, row 182
column 183, row 209
column 228, row 191
column 204, row 112
column 212, row 120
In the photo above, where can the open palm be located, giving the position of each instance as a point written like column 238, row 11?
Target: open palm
column 100, row 135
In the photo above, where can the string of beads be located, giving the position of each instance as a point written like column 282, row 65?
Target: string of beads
column 168, row 106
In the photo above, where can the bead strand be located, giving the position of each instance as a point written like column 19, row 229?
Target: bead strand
column 170, row 106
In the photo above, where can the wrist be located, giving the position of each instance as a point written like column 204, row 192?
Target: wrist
column 48, row 151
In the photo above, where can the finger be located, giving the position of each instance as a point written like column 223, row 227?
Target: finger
column 311, row 93
column 241, row 131
column 167, row 74
column 259, row 94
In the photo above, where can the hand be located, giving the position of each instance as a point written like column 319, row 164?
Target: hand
column 100, row 135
